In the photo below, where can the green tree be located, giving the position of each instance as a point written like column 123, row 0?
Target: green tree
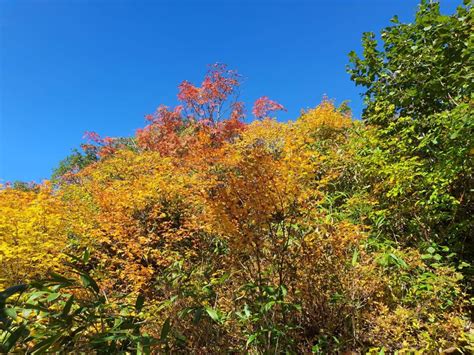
column 74, row 162
column 419, row 107
column 423, row 67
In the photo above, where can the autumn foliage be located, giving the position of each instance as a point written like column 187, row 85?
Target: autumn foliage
column 208, row 233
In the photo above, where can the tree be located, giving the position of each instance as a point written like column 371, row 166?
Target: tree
column 73, row 163
column 425, row 67
column 418, row 155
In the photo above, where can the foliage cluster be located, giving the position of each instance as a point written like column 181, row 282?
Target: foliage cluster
column 203, row 233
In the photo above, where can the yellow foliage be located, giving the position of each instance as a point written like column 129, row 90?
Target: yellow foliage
column 263, row 200
column 33, row 233
column 135, row 209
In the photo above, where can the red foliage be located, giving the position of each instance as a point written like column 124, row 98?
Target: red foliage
column 211, row 109
column 263, row 106
column 208, row 101
column 102, row 146
column 162, row 134
column 228, row 129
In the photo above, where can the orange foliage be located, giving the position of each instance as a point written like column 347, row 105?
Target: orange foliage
column 197, row 179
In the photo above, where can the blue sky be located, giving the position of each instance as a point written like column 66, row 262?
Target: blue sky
column 71, row 66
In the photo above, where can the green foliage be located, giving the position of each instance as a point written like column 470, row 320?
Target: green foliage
column 73, row 163
column 25, row 186
column 419, row 158
column 263, row 305
column 419, row 184
column 425, row 67
column 65, row 313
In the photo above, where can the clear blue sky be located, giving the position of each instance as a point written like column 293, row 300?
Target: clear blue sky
column 71, row 66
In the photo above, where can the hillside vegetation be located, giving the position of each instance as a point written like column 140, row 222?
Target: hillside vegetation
column 206, row 234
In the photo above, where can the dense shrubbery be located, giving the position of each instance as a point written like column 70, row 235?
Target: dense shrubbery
column 205, row 234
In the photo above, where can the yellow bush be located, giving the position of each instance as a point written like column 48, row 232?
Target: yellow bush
column 33, row 233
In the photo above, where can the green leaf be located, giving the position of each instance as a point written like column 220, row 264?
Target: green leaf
column 247, row 311
column 67, row 306
column 268, row 306
column 36, row 295
column 85, row 256
column 10, row 291
column 213, row 314
column 165, row 329
column 251, row 339
column 10, row 312
column 10, row 342
column 89, row 281
column 355, row 257
column 117, row 322
column 398, row 261
column 197, row 315
column 59, row 278
column 139, row 302
column 42, row 346
column 52, row 297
